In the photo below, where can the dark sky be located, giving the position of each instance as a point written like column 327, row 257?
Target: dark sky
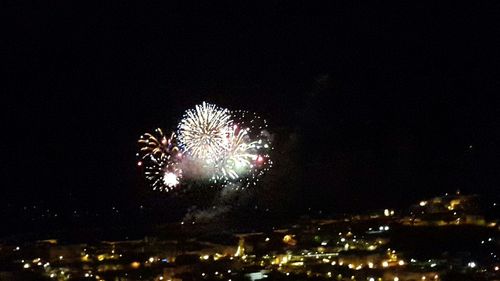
column 371, row 105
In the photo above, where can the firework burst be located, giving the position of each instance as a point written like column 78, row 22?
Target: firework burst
column 226, row 147
column 162, row 173
column 237, row 157
column 203, row 130
column 258, row 146
column 156, row 144
column 160, row 157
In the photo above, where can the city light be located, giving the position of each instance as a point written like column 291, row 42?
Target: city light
column 296, row 255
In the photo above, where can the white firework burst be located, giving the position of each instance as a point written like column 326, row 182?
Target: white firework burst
column 162, row 173
column 239, row 155
column 203, row 130
column 170, row 179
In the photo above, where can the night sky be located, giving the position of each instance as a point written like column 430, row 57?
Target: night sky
column 371, row 106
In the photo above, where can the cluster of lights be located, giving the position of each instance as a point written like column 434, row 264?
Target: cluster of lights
column 63, row 273
column 284, row 261
column 388, row 212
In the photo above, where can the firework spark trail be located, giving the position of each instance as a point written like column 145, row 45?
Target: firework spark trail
column 156, row 144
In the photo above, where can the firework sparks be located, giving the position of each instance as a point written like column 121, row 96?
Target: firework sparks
column 162, row 173
column 239, row 153
column 170, row 179
column 258, row 146
column 160, row 157
column 213, row 143
column 156, row 144
column 202, row 131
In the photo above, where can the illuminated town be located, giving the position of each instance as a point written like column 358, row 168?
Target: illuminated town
column 441, row 238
